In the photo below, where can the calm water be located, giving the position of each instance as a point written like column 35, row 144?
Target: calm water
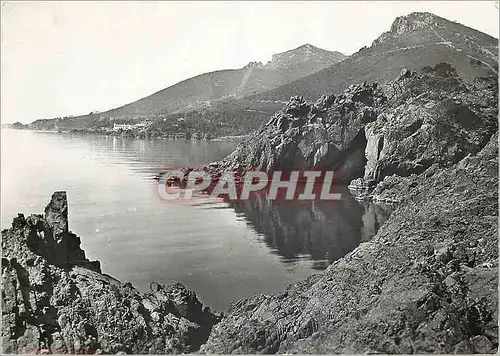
column 223, row 251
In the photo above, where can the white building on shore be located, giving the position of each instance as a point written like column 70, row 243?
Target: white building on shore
column 117, row 127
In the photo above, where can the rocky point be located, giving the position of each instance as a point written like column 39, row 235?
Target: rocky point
column 54, row 300
column 434, row 118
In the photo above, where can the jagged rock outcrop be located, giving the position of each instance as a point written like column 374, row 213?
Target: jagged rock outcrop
column 327, row 134
column 416, row 21
column 55, row 300
column 426, row 283
column 434, row 118
column 49, row 236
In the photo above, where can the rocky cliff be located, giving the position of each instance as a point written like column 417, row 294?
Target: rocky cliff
column 435, row 118
column 327, row 134
column 54, row 300
column 426, row 283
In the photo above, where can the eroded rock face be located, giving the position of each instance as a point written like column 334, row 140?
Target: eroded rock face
column 426, row 283
column 419, row 119
column 435, row 118
column 55, row 300
column 328, row 133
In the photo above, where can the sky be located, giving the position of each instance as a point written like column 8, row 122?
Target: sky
column 70, row 58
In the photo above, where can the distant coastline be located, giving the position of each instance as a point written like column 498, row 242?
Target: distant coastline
column 129, row 134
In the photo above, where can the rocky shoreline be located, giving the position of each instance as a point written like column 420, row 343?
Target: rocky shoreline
column 426, row 283
column 54, row 300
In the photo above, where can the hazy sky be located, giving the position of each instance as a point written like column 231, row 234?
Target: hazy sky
column 76, row 57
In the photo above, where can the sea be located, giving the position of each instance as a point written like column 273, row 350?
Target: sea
column 222, row 250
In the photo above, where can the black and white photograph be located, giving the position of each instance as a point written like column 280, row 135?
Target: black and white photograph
column 249, row 177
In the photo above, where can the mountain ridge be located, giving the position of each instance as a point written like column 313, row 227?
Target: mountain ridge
column 232, row 82
column 407, row 32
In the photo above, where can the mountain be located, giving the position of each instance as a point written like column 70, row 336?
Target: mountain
column 413, row 42
column 205, row 89
column 254, row 78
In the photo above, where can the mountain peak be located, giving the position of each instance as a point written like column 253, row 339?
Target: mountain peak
column 306, row 46
column 432, row 29
column 413, row 21
column 304, row 53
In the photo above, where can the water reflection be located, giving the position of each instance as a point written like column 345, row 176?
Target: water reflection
column 320, row 231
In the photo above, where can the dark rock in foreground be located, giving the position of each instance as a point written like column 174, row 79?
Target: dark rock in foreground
column 426, row 283
column 55, row 300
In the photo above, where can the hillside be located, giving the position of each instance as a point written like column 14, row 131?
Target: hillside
column 202, row 90
column 255, row 77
